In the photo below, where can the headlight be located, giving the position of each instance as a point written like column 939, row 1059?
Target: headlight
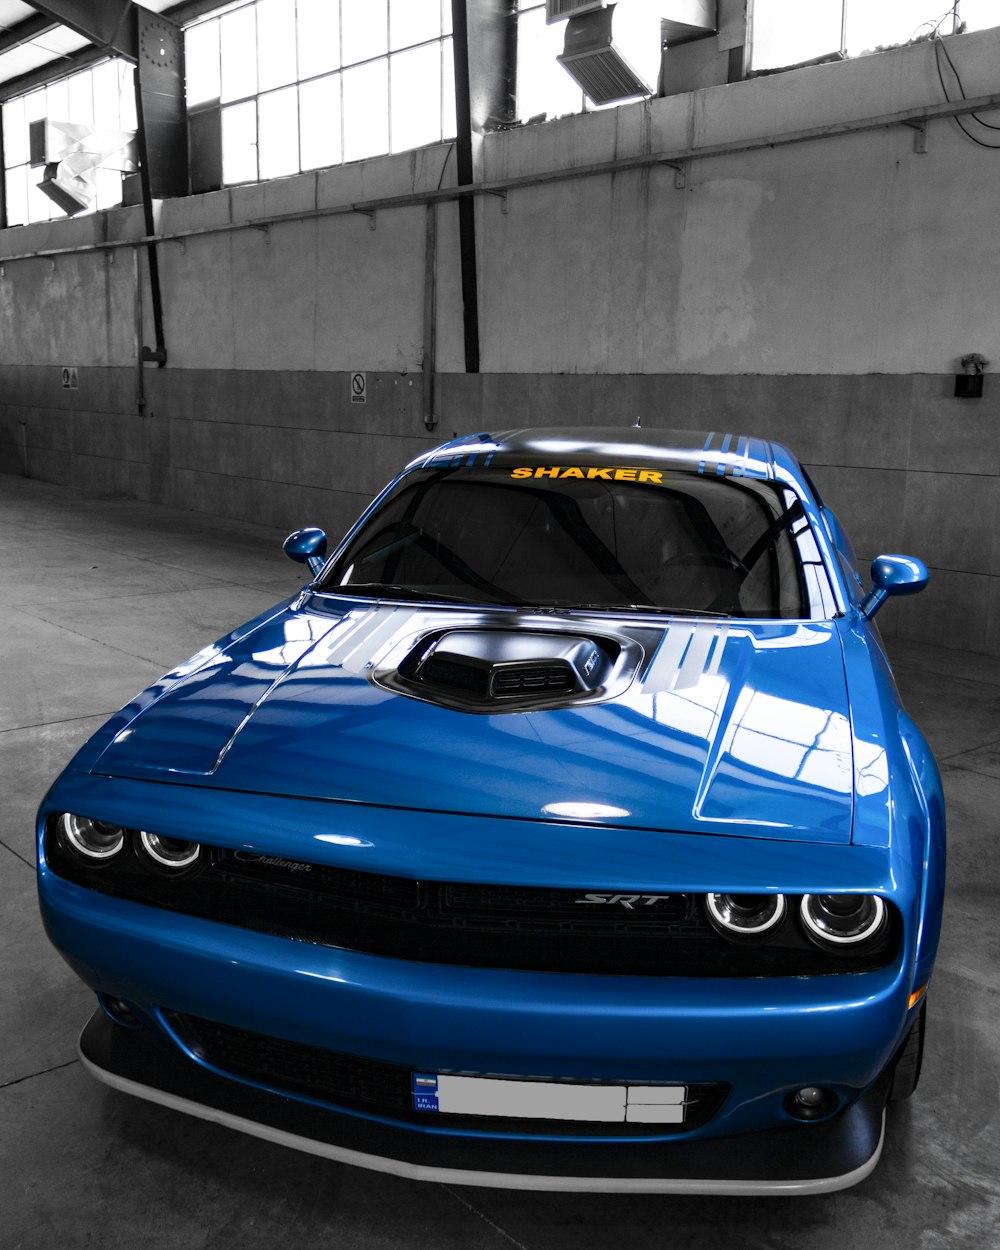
column 169, row 852
column 745, row 914
column 842, row 919
column 94, row 839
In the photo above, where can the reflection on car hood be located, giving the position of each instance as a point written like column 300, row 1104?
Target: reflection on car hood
column 731, row 727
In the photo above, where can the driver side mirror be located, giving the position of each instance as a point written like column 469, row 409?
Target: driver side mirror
column 307, row 546
column 893, row 575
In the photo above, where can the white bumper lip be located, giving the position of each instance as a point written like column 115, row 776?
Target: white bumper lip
column 487, row 1179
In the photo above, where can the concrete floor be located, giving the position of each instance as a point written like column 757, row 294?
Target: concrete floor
column 99, row 597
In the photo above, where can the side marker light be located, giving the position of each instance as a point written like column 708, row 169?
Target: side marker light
column 916, row 996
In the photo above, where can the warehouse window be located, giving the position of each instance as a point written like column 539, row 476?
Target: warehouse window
column 543, row 86
column 303, row 84
column 102, row 99
column 785, row 32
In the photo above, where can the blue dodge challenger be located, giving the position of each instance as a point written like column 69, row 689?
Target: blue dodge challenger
column 566, row 831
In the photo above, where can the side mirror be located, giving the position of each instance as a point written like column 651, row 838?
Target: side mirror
column 307, row 546
column 893, row 575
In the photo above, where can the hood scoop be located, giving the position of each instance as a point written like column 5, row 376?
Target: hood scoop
column 495, row 670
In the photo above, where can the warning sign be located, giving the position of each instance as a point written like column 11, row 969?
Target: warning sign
column 70, row 378
column 359, row 388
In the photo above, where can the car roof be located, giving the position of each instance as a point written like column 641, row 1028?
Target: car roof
column 715, row 453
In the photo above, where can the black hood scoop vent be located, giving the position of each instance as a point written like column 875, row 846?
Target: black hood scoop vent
column 498, row 670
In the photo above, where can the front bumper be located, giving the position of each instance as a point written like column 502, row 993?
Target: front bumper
column 762, row 1038
column 792, row 1160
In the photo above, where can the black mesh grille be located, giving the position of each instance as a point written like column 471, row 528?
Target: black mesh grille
column 529, row 928
column 453, row 673
column 528, row 678
column 385, row 1088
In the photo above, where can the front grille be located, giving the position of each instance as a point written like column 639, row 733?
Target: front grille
column 526, row 928
column 528, row 678
column 363, row 1084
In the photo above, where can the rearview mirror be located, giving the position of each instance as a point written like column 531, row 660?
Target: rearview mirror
column 893, row 575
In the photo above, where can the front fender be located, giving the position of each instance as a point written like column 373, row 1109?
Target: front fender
column 930, row 795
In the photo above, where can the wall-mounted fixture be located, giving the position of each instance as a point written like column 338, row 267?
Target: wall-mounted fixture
column 614, row 51
column 73, row 154
column 969, row 383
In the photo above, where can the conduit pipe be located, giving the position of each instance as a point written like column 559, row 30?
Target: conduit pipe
column 914, row 117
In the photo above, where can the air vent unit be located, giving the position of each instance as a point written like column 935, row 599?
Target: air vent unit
column 559, row 10
column 614, row 53
column 498, row 670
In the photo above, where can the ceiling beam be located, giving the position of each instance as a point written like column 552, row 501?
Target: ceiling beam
column 105, row 25
column 17, row 36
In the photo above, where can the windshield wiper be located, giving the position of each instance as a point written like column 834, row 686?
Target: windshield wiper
column 389, row 590
column 645, row 609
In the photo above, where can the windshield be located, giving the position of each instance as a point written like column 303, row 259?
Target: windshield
column 626, row 538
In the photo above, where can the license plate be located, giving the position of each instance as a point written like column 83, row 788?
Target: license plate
column 548, row 1100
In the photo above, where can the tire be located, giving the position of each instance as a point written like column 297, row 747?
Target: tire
column 906, row 1072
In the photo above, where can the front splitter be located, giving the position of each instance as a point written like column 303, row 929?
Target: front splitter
column 793, row 1160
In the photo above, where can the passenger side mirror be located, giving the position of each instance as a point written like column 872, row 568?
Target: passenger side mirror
column 307, row 546
column 893, row 575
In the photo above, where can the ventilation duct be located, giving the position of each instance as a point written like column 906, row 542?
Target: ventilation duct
column 614, row 51
column 685, row 20
column 73, row 154
column 557, row 10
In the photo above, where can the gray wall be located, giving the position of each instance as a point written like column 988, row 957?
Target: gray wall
column 819, row 292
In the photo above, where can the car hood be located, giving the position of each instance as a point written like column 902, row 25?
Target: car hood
column 730, row 727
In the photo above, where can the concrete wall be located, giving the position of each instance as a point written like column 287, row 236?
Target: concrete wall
column 819, row 292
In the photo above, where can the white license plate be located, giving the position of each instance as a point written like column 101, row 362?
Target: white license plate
column 548, row 1100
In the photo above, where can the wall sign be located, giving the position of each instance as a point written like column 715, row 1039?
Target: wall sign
column 70, row 378
column 359, row 388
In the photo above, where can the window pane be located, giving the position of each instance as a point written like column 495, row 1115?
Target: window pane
column 319, row 37
column 239, row 143
column 366, row 110
column 278, row 126
column 15, row 133
column 201, row 63
column 543, row 86
column 413, row 21
column 107, row 106
column 57, row 101
column 34, row 106
column 238, row 45
column 17, row 196
column 785, row 32
column 879, row 23
column 276, row 43
column 449, row 123
column 363, row 29
column 319, row 122
column 126, row 97
column 81, row 100
column 109, row 188
column 415, row 102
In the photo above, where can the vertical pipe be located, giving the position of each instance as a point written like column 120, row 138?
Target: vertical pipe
column 430, row 317
column 466, row 204
column 160, row 353
column 140, row 381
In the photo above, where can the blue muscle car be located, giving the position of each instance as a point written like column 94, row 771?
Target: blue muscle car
column 566, row 831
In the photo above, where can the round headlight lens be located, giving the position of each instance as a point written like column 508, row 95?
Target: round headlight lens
column 843, row 919
column 169, row 852
column 746, row 914
column 94, row 839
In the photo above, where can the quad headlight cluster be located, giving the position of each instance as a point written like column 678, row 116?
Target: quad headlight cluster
column 834, row 921
column 98, row 841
